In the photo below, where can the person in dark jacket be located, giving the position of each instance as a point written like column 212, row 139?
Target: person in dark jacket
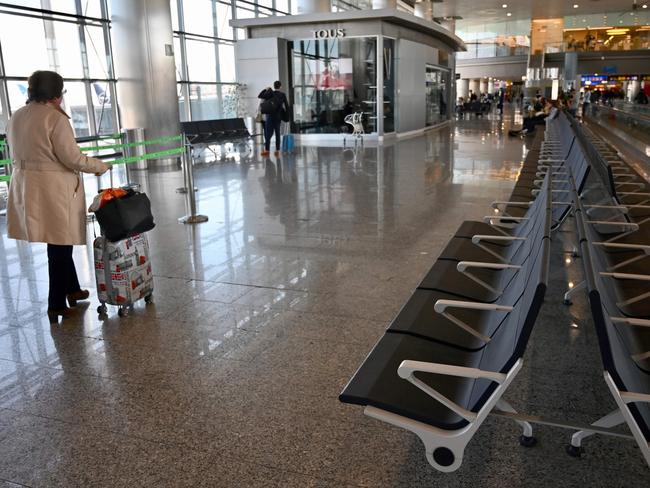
column 273, row 120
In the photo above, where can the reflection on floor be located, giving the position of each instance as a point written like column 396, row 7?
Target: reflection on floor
column 260, row 317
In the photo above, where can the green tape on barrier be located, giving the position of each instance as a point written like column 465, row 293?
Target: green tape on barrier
column 5, row 162
column 5, row 178
column 154, row 155
column 160, row 140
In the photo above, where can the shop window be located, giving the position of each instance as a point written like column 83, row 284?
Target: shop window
column 331, row 79
column 437, row 95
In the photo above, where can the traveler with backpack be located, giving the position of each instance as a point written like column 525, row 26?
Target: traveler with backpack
column 275, row 107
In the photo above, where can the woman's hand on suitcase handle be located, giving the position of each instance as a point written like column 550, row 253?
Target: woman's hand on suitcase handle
column 104, row 170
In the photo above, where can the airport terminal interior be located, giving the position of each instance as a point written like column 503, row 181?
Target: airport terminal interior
column 436, row 272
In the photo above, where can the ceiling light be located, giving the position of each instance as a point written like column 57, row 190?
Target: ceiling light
column 617, row 32
column 509, row 14
column 505, row 5
column 575, row 5
column 644, row 5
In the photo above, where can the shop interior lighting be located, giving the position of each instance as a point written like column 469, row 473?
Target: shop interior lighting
column 617, row 32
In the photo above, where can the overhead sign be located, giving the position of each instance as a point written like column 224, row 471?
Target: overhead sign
column 610, row 70
column 594, row 80
column 623, row 78
column 328, row 33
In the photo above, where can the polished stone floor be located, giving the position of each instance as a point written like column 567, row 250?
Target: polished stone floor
column 261, row 316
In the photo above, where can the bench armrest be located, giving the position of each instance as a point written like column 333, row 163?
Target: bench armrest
column 631, row 321
column 486, row 237
column 408, row 368
column 633, row 397
column 631, row 247
column 487, row 218
column 630, row 225
column 442, row 305
column 622, row 208
column 496, row 203
column 463, row 265
column 626, row 276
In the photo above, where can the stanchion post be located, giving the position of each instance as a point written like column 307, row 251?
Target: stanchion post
column 188, row 174
column 186, row 160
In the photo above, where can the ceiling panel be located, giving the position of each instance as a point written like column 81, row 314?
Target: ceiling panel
column 492, row 10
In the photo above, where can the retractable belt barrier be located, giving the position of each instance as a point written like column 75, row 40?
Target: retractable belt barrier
column 128, row 160
column 160, row 140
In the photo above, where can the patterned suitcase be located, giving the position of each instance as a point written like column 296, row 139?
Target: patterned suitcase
column 122, row 272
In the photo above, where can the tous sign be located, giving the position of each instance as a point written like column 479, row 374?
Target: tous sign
column 328, row 33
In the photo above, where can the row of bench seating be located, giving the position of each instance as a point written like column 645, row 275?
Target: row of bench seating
column 438, row 373
column 614, row 244
column 215, row 131
column 448, row 357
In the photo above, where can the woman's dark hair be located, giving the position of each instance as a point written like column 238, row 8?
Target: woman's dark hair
column 277, row 85
column 43, row 86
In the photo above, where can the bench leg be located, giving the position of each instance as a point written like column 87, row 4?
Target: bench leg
column 445, row 448
column 526, row 439
column 567, row 296
column 610, row 420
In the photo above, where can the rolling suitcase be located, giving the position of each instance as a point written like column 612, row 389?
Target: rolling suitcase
column 122, row 272
column 287, row 139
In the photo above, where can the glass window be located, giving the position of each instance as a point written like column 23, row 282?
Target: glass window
column 224, row 16
column 67, row 49
column 227, row 63
column 103, row 107
column 31, row 55
column 178, row 59
column 95, row 47
column 17, row 94
column 332, row 79
column 389, row 85
column 230, row 100
column 201, row 62
column 76, row 106
column 67, row 6
column 173, row 7
column 437, row 95
column 282, row 5
column 91, row 8
column 197, row 17
column 203, row 102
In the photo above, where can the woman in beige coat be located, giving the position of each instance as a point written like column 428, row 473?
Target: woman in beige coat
column 46, row 196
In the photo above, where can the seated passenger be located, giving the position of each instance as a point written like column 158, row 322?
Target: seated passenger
column 550, row 110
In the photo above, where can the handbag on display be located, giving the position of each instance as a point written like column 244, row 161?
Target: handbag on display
column 126, row 216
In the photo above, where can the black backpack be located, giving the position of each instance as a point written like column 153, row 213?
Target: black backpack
column 270, row 105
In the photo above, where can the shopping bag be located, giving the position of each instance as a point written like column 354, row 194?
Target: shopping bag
column 124, row 217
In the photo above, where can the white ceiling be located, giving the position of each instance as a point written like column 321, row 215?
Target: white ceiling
column 492, row 10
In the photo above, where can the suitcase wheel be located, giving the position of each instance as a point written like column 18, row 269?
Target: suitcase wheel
column 102, row 309
column 148, row 298
column 123, row 311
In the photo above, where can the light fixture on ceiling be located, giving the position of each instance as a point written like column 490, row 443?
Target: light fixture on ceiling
column 645, row 5
column 617, row 32
column 575, row 5
column 509, row 14
column 505, row 5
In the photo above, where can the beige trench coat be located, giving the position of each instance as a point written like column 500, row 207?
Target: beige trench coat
column 46, row 202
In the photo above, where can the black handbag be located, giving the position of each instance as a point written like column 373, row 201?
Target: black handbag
column 125, row 217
